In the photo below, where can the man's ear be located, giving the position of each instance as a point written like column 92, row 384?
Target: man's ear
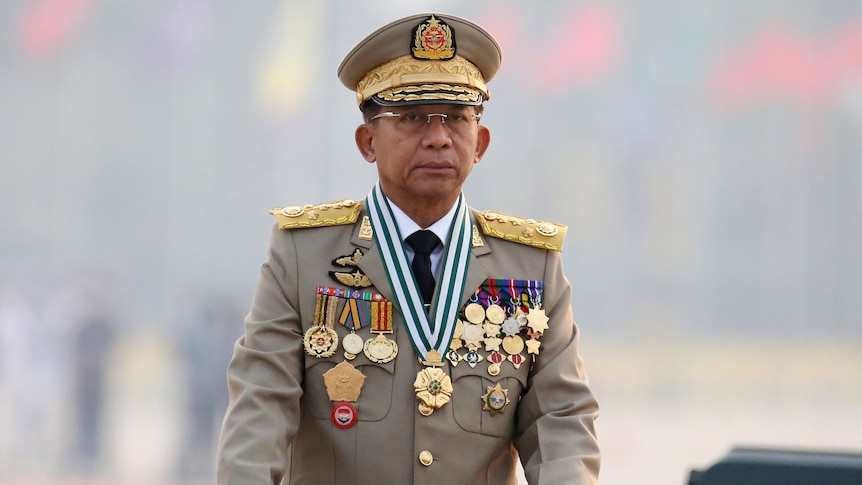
column 483, row 139
column 364, row 136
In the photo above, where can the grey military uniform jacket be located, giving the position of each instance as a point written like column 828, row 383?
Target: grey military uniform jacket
column 280, row 425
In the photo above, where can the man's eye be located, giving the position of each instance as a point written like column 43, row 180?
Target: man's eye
column 412, row 116
column 456, row 117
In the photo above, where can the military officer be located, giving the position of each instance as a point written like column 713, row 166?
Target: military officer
column 406, row 337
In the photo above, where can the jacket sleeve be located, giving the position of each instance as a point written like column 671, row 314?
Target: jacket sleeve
column 265, row 376
column 556, row 437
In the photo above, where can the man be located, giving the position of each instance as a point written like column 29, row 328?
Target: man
column 407, row 338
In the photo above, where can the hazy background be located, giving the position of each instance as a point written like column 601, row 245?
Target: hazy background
column 706, row 157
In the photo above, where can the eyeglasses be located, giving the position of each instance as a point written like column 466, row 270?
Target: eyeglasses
column 416, row 121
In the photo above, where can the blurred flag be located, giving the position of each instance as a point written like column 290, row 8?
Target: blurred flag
column 181, row 33
column 580, row 45
column 48, row 25
column 289, row 67
column 778, row 63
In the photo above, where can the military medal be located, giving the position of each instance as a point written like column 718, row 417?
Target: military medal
column 433, row 389
column 473, row 336
column 380, row 349
column 432, row 359
column 320, row 340
column 344, row 415
column 343, row 385
column 496, row 358
column 356, row 315
column 457, row 343
column 343, row 382
column 537, row 319
column 495, row 313
column 510, row 327
column 513, row 344
column 495, row 399
column 353, row 345
column 453, row 357
column 492, row 344
column 516, row 360
column 475, row 313
column 430, row 338
column 472, row 358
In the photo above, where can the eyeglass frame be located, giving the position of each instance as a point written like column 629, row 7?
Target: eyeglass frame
column 443, row 116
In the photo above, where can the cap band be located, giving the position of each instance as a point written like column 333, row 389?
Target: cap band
column 430, row 93
column 436, row 80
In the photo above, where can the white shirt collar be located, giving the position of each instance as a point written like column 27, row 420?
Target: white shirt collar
column 408, row 226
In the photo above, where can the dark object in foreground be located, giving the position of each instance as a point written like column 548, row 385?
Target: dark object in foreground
column 760, row 466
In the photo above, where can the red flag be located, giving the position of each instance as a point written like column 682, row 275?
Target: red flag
column 48, row 25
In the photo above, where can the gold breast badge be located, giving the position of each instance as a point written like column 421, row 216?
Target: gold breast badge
column 495, row 399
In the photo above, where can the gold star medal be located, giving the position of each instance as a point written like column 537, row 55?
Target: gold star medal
column 538, row 320
column 495, row 399
column 473, row 336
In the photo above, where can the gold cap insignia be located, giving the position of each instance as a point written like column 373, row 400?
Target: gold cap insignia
column 433, row 39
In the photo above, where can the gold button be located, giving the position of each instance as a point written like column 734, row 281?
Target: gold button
column 426, row 458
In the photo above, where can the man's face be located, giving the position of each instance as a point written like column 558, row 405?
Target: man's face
column 420, row 161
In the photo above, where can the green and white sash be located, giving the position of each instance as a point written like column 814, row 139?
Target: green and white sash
column 424, row 334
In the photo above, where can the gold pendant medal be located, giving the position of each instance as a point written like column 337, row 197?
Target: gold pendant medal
column 320, row 340
column 495, row 314
column 513, row 344
column 495, row 359
column 343, row 386
column 433, row 389
column 353, row 345
column 475, row 313
column 380, row 349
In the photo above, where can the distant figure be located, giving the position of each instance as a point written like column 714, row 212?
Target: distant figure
column 92, row 343
column 206, row 346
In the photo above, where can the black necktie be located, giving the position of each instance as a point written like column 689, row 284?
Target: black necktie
column 423, row 242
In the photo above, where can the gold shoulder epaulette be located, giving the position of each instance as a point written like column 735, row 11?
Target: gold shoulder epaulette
column 329, row 214
column 540, row 234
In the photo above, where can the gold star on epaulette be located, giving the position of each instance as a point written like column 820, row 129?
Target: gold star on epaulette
column 530, row 232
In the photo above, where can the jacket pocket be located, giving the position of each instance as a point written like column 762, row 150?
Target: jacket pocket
column 468, row 403
column 375, row 399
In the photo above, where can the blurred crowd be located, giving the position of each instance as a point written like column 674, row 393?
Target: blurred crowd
column 86, row 393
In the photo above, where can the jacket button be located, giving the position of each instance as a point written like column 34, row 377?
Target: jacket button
column 426, row 458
